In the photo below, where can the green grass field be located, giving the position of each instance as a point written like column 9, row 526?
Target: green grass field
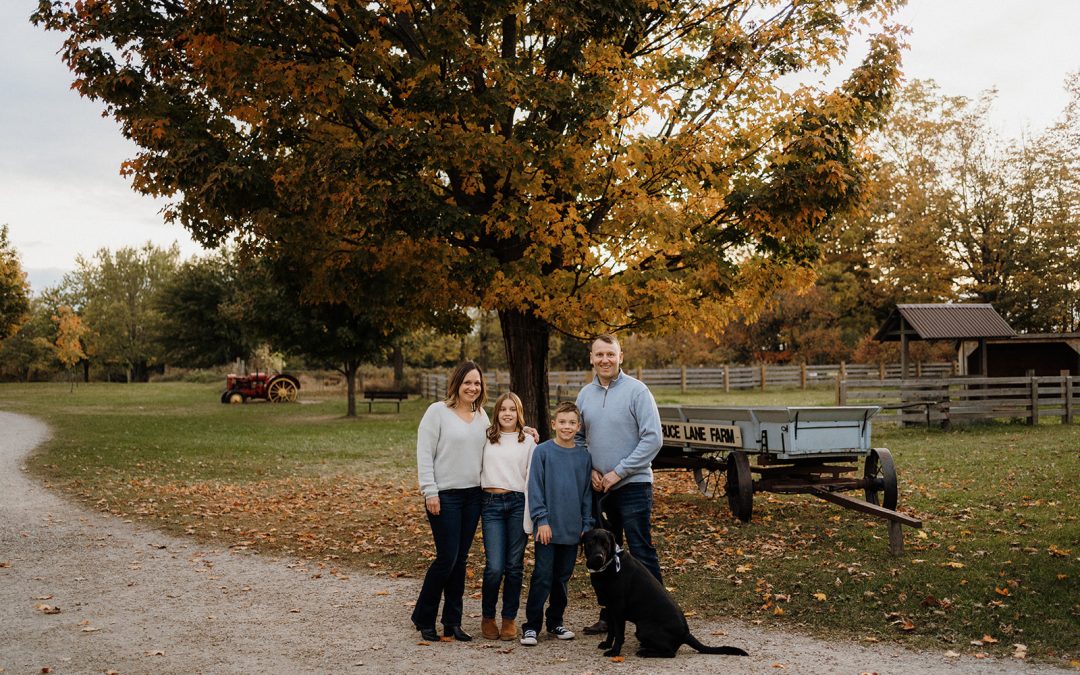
column 997, row 562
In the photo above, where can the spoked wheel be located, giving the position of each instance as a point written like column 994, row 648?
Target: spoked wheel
column 740, row 486
column 880, row 475
column 281, row 390
column 710, row 478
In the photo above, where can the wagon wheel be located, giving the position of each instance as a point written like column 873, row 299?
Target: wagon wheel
column 281, row 390
column 740, row 486
column 708, row 477
column 880, row 476
column 234, row 397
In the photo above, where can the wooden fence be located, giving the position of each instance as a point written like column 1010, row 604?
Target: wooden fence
column 727, row 378
column 965, row 399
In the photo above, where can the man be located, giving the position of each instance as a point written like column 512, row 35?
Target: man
column 621, row 430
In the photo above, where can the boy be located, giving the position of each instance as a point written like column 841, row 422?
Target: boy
column 560, row 505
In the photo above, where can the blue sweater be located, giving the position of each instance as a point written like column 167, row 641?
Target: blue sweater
column 620, row 427
column 560, row 494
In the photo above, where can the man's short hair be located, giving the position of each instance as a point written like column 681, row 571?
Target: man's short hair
column 608, row 338
column 567, row 407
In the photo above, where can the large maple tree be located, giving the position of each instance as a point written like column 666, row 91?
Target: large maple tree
column 581, row 166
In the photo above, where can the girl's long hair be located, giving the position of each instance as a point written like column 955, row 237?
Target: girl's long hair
column 454, row 385
column 494, row 430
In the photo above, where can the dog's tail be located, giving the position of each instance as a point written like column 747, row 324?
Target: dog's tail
column 704, row 649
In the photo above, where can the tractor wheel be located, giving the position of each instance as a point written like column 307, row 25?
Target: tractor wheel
column 235, row 398
column 281, row 390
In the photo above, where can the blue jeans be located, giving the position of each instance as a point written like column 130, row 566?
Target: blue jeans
column 504, row 546
column 553, row 569
column 453, row 530
column 628, row 510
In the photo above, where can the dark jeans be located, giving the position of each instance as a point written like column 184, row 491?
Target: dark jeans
column 553, row 569
column 628, row 510
column 504, row 546
column 453, row 530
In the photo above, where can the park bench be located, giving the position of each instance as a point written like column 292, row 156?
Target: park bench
column 375, row 395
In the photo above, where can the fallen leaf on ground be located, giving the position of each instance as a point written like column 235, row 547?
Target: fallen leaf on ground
column 423, row 643
column 1001, row 591
column 1019, row 651
column 952, row 655
column 820, row 597
column 90, row 629
column 618, row 659
column 47, row 609
column 987, row 639
column 156, row 652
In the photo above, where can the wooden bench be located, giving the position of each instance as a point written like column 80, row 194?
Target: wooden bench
column 374, row 395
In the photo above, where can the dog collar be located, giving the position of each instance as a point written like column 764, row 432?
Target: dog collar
column 614, row 559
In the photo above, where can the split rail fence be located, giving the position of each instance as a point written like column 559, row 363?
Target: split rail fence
column 565, row 384
column 956, row 400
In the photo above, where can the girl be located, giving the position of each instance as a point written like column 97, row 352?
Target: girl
column 504, row 478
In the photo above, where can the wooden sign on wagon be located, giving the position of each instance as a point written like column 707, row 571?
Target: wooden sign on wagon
column 695, row 433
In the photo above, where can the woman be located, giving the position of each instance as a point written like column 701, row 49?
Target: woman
column 449, row 456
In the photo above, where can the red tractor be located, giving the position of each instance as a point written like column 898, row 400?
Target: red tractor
column 280, row 388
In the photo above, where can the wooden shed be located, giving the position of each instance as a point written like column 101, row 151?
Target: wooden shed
column 959, row 323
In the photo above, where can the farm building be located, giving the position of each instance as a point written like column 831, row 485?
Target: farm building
column 985, row 343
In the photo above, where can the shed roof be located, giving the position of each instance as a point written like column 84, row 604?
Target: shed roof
column 945, row 322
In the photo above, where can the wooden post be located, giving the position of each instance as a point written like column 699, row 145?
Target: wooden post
column 763, row 376
column 955, row 367
column 727, row 379
column 841, row 391
column 1034, row 419
column 843, row 370
column 896, row 538
column 682, row 379
column 881, row 371
column 903, row 349
column 918, row 370
column 1067, row 394
column 802, row 375
column 639, row 374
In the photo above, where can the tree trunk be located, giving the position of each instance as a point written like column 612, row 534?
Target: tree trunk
column 526, row 339
column 397, row 358
column 349, row 371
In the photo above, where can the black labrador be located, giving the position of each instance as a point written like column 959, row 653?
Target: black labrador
column 631, row 593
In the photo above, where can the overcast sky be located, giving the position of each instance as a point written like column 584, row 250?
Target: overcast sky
column 62, row 195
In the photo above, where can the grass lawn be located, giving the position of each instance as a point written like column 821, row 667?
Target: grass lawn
column 997, row 562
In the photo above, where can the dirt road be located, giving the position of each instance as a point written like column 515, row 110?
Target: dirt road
column 133, row 600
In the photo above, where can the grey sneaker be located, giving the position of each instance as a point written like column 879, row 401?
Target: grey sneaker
column 561, row 632
column 528, row 638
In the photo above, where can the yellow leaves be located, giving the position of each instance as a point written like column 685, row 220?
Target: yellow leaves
column 953, row 564
column 618, row 659
column 820, row 597
column 1059, row 552
column 47, row 609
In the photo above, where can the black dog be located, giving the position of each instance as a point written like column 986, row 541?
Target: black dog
column 631, row 593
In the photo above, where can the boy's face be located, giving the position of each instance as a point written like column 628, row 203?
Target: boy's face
column 565, row 425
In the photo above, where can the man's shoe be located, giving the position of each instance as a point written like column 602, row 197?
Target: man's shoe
column 509, row 630
column 428, row 634
column 598, row 628
column 456, row 633
column 561, row 632
column 489, row 629
column 528, row 638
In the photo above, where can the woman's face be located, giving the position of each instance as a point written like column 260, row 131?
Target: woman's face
column 508, row 415
column 470, row 387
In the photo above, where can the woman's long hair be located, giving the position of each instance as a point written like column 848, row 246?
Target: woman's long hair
column 454, row 385
column 494, row 430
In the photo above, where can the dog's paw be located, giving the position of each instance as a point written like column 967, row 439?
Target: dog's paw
column 606, row 644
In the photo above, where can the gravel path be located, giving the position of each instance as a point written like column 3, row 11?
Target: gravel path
column 133, row 600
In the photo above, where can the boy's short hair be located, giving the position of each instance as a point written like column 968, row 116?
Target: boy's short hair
column 566, row 407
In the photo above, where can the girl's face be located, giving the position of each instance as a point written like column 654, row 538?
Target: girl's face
column 508, row 415
column 470, row 387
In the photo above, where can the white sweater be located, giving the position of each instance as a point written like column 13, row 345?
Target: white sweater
column 506, row 463
column 449, row 450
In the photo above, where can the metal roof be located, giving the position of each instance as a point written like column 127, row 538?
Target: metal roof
column 944, row 322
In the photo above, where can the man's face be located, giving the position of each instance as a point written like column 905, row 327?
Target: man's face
column 606, row 358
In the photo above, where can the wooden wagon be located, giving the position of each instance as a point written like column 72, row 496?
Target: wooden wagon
column 807, row 450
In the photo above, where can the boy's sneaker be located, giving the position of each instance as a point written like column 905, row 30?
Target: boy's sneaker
column 561, row 632
column 528, row 638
